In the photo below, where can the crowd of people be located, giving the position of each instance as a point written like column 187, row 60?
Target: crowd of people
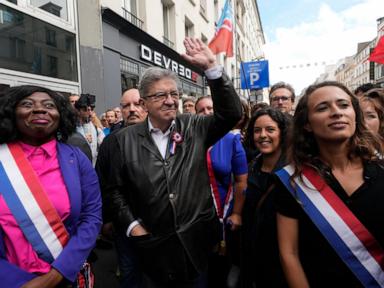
column 224, row 194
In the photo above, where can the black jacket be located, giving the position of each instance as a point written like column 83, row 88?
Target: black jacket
column 170, row 196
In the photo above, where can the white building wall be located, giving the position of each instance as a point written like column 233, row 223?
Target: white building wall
column 250, row 32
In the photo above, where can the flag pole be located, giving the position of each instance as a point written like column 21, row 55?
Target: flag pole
column 237, row 51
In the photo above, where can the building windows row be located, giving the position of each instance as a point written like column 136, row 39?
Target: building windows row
column 33, row 46
column 57, row 12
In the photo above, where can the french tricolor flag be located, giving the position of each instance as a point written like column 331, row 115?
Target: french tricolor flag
column 223, row 39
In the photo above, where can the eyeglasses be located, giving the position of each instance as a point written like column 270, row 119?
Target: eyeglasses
column 282, row 98
column 162, row 96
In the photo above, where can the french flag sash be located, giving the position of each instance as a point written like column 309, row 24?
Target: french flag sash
column 221, row 210
column 29, row 204
column 354, row 244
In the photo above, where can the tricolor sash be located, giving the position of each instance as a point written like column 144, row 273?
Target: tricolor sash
column 221, row 210
column 29, row 204
column 354, row 244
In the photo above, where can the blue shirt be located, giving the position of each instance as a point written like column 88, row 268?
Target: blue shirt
column 228, row 157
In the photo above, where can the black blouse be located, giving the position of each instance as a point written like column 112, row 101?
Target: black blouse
column 322, row 266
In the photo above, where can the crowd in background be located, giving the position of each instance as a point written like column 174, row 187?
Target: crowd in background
column 254, row 167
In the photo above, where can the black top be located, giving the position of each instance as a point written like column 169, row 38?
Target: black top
column 260, row 248
column 322, row 266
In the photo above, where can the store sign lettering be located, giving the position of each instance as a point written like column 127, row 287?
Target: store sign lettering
column 158, row 59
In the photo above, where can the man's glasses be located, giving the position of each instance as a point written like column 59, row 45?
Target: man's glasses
column 162, row 96
column 282, row 98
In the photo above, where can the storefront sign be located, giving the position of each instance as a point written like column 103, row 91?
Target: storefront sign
column 158, row 59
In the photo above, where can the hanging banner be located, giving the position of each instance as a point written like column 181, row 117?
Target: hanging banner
column 254, row 75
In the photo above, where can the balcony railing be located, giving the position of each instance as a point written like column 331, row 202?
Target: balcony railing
column 132, row 18
column 168, row 42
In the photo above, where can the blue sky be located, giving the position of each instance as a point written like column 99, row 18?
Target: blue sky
column 288, row 13
column 302, row 33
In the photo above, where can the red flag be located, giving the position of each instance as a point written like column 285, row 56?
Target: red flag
column 377, row 54
column 223, row 39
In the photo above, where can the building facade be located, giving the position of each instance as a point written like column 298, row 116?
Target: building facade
column 39, row 44
column 103, row 46
column 157, row 28
column 356, row 70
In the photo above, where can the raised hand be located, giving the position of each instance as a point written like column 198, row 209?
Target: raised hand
column 198, row 54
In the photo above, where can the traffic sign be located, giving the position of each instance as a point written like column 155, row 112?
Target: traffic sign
column 254, row 75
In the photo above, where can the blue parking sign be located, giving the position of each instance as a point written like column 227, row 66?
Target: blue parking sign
column 254, row 75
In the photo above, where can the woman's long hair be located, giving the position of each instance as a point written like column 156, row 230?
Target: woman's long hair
column 304, row 150
column 9, row 101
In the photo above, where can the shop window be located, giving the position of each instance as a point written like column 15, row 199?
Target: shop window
column 128, row 81
column 39, row 47
column 129, row 66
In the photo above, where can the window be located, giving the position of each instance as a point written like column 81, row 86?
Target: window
column 58, row 8
column 203, row 7
column 52, row 66
column 129, row 74
column 39, row 47
column 130, row 13
column 57, row 12
column 50, row 37
column 166, row 14
column 204, row 38
column 17, row 48
column 189, row 28
column 168, row 18
column 216, row 8
column 129, row 66
column 131, row 6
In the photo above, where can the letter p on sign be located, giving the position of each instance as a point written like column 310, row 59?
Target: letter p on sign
column 253, row 77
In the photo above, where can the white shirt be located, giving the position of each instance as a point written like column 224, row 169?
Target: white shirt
column 161, row 139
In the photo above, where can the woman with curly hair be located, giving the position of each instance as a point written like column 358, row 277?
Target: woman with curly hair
column 50, row 206
column 268, row 129
column 330, row 218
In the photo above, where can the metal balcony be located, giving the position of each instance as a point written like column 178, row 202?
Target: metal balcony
column 132, row 18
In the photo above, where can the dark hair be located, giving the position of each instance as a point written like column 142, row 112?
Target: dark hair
column 304, row 149
column 283, row 122
column 284, row 85
column 364, row 88
column 257, row 106
column 243, row 123
column 85, row 100
column 9, row 101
